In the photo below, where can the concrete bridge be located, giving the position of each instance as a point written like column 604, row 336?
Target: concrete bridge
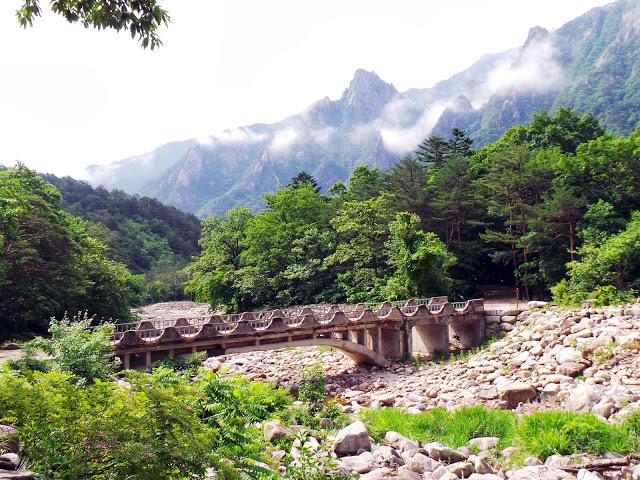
column 369, row 333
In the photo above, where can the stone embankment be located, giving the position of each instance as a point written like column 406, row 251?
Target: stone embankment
column 584, row 360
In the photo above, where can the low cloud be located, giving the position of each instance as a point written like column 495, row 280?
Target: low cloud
column 283, row 140
column 233, row 136
column 400, row 140
column 536, row 70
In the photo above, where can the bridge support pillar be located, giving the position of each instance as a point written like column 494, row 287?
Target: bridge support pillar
column 147, row 359
column 127, row 361
column 470, row 333
column 391, row 341
column 430, row 339
column 371, row 339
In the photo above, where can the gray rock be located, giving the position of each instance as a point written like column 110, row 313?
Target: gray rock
column 571, row 369
column 382, row 473
column 537, row 304
column 11, row 346
column 583, row 398
column 514, row 393
column 273, row 430
column 406, row 474
column 604, row 407
column 540, row 473
column 9, row 438
column 568, row 354
column 440, row 452
column 480, row 465
column 557, row 461
column 461, row 469
column 387, row 456
column 532, row 462
column 16, row 475
column 385, row 399
column 584, row 474
column 484, row 443
column 420, row 463
column 362, row 463
column 488, row 393
column 351, row 439
column 439, row 472
column 10, row 461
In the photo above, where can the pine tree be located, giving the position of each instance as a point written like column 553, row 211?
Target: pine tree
column 304, row 178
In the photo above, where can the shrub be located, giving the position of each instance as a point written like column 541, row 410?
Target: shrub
column 106, row 431
column 312, row 387
column 79, row 349
column 188, row 364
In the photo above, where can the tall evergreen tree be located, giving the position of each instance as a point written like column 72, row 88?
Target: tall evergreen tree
column 304, row 178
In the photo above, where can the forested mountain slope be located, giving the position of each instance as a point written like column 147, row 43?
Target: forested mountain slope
column 139, row 231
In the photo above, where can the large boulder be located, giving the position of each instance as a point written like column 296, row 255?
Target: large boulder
column 273, row 430
column 350, row 440
column 514, row 393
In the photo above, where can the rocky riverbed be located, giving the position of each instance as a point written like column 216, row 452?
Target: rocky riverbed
column 585, row 360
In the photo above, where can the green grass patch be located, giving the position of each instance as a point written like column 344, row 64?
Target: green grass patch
column 454, row 428
column 539, row 434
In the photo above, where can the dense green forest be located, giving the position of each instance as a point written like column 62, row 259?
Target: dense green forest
column 152, row 239
column 549, row 208
column 74, row 248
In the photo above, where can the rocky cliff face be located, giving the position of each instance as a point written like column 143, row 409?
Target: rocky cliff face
column 590, row 64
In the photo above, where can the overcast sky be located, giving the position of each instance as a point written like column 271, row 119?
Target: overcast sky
column 70, row 97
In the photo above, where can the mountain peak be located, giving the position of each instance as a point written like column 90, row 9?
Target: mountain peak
column 536, row 34
column 366, row 95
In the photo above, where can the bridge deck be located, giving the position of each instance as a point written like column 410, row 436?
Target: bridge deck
column 370, row 333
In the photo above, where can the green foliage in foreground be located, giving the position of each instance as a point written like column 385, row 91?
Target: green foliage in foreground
column 540, row 434
column 159, row 425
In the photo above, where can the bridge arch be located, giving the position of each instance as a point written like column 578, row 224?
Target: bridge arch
column 358, row 353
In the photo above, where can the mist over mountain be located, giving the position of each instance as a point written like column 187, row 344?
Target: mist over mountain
column 590, row 64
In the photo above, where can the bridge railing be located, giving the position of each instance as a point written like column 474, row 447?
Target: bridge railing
column 291, row 317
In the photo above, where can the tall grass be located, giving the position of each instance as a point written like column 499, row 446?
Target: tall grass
column 540, row 434
column 440, row 425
